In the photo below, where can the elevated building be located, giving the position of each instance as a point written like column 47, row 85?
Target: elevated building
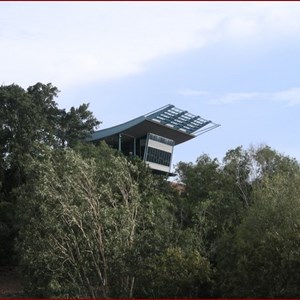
column 152, row 137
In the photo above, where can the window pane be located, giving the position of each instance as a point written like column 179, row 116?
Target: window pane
column 158, row 156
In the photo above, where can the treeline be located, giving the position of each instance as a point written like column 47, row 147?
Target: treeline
column 81, row 220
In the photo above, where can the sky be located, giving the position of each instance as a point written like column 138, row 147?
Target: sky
column 234, row 63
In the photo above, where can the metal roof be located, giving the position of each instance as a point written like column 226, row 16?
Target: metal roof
column 178, row 119
column 167, row 121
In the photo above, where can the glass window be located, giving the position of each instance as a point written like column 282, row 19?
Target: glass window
column 158, row 156
column 161, row 139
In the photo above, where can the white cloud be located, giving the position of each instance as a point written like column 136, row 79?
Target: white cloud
column 68, row 43
column 235, row 97
column 241, row 27
column 191, row 92
column 290, row 97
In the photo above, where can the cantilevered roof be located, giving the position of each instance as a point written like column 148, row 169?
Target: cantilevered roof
column 168, row 121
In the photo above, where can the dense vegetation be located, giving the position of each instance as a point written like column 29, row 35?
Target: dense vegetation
column 84, row 221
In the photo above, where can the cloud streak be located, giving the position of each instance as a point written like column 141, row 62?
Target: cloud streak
column 289, row 97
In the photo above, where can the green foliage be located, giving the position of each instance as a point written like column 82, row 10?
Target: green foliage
column 74, row 126
column 248, row 220
column 80, row 220
column 7, row 232
column 212, row 203
column 200, row 179
column 98, row 226
column 29, row 119
column 92, row 223
column 176, row 272
column 266, row 257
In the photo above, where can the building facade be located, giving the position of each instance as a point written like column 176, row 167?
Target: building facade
column 153, row 136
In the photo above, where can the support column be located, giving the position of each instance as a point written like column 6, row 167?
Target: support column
column 120, row 142
column 134, row 146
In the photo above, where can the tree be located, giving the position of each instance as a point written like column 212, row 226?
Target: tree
column 20, row 118
column 213, row 203
column 237, row 168
column 245, row 212
column 78, row 223
column 199, row 178
column 96, row 224
column 30, row 118
column 74, row 126
column 262, row 258
column 176, row 272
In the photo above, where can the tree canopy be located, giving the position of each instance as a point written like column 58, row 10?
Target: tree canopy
column 82, row 220
column 29, row 119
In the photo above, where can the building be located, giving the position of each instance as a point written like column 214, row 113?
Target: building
column 152, row 137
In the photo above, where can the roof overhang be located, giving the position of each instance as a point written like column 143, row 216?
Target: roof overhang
column 169, row 121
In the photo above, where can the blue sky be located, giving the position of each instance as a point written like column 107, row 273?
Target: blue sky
column 235, row 63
